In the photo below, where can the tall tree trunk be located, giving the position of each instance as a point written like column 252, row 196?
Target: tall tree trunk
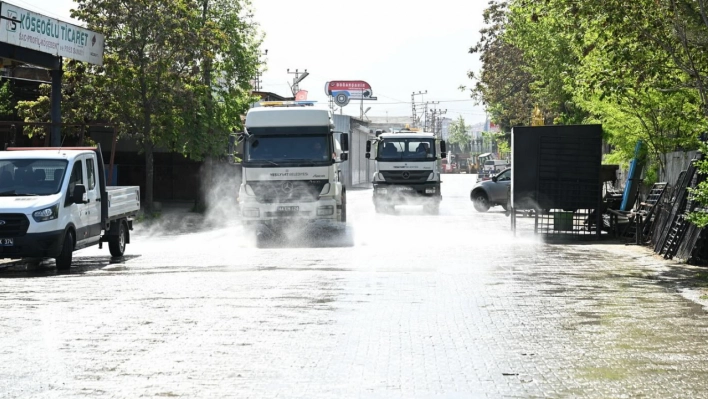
column 207, row 183
column 149, row 176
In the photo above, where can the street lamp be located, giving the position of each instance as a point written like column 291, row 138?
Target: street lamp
column 363, row 114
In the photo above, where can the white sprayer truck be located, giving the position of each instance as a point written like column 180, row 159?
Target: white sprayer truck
column 407, row 169
column 291, row 168
column 54, row 201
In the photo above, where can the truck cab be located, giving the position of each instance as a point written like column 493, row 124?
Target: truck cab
column 54, row 201
column 408, row 170
column 291, row 167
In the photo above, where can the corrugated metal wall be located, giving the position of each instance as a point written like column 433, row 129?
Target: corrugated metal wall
column 342, row 124
column 357, row 170
column 675, row 163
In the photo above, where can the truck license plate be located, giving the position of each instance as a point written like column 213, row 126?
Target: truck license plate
column 288, row 208
column 7, row 242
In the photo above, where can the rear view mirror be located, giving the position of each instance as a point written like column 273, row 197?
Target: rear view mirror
column 79, row 194
column 368, row 155
column 368, row 145
column 344, row 156
column 344, row 138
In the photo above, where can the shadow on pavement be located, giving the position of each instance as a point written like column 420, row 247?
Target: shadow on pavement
column 307, row 238
column 47, row 268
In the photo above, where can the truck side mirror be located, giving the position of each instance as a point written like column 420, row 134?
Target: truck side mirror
column 368, row 146
column 79, row 194
column 368, row 155
column 343, row 156
column 443, row 149
column 344, row 138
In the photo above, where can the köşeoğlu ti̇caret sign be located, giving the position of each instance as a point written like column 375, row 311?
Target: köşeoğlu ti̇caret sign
column 34, row 31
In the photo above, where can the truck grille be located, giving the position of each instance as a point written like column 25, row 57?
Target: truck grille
column 285, row 191
column 13, row 225
column 399, row 176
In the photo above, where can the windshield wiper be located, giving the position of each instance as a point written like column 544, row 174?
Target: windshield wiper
column 12, row 193
column 265, row 160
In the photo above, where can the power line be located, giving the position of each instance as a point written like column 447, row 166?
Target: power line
column 415, row 113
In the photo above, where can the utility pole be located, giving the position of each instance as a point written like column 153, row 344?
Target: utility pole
column 259, row 73
column 296, row 81
column 430, row 126
column 439, row 125
column 415, row 114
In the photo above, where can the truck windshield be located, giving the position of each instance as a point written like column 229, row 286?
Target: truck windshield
column 31, row 176
column 288, row 149
column 395, row 149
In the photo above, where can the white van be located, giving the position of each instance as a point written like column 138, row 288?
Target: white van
column 496, row 164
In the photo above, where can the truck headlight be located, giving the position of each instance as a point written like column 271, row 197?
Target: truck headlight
column 249, row 191
column 46, row 214
column 430, row 190
column 380, row 177
column 251, row 212
column 325, row 210
column 432, row 176
column 382, row 191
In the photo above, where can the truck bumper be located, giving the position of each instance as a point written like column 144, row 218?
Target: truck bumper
column 324, row 212
column 34, row 245
column 407, row 193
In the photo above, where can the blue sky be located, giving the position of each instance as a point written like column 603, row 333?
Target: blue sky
column 397, row 46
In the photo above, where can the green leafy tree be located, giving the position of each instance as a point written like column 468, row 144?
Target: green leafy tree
column 539, row 30
column 228, row 61
column 175, row 72
column 458, row 134
column 81, row 102
column 503, row 84
column 7, row 102
column 503, row 145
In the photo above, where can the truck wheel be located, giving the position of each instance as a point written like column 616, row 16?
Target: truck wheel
column 263, row 240
column 480, row 201
column 67, row 249
column 116, row 244
column 344, row 208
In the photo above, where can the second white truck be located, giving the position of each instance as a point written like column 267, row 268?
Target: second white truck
column 407, row 169
column 54, row 201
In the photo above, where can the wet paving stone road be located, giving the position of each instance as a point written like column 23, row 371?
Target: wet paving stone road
column 407, row 305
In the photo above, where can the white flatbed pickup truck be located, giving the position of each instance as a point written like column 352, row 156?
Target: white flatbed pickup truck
column 54, row 201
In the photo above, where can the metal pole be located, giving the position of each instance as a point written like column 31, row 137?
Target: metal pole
column 55, row 131
column 113, row 155
column 362, row 107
